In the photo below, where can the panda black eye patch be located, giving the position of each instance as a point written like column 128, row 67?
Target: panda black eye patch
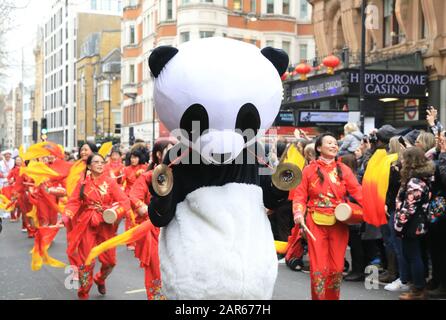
column 195, row 113
column 248, row 118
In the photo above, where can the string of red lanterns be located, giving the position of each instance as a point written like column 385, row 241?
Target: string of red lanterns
column 331, row 63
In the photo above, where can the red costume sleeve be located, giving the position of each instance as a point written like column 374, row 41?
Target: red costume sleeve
column 301, row 194
column 139, row 194
column 119, row 196
column 74, row 202
column 352, row 185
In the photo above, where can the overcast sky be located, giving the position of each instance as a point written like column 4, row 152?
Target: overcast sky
column 24, row 37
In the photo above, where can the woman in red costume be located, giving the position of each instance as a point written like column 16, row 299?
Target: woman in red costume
column 93, row 194
column 115, row 168
column 326, row 183
column 131, row 173
column 15, row 182
column 146, row 249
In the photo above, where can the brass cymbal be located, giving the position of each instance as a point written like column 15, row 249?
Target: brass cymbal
column 162, row 180
column 287, row 176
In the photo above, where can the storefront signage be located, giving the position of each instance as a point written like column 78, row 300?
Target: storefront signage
column 319, row 88
column 325, row 117
column 378, row 84
column 285, row 118
column 397, row 84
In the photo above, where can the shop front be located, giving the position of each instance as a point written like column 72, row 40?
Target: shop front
column 328, row 102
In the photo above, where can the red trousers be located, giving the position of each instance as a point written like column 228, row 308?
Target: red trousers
column 326, row 258
column 91, row 237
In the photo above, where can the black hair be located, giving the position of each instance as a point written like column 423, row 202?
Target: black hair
column 92, row 146
column 281, row 146
column 89, row 160
column 318, row 144
column 160, row 145
column 140, row 154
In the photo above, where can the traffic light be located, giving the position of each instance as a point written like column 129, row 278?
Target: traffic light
column 43, row 129
column 35, row 130
column 131, row 136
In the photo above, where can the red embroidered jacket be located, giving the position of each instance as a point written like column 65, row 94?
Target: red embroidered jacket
column 313, row 196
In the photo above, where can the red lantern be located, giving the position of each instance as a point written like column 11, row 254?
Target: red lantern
column 331, row 62
column 303, row 69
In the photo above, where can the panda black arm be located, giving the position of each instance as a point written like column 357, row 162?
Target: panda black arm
column 272, row 197
column 161, row 209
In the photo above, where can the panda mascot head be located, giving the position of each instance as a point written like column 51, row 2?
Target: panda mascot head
column 216, row 241
column 219, row 92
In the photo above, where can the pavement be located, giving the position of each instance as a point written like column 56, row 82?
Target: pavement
column 18, row 282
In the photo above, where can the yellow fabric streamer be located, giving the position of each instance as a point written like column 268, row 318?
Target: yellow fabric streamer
column 281, row 246
column 39, row 254
column 33, row 215
column 105, row 149
column 294, row 156
column 5, row 203
column 76, row 171
column 39, row 172
column 131, row 235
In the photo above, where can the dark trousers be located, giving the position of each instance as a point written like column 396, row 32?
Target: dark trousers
column 412, row 252
column 356, row 250
column 437, row 250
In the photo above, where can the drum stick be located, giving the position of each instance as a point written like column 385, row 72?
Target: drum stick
column 308, row 231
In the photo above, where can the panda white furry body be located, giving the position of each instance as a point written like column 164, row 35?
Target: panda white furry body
column 216, row 241
column 219, row 245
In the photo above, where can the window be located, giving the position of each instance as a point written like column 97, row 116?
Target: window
column 169, row 15
column 238, row 5
column 206, row 34
column 303, row 52
column 208, row 1
column 184, row 37
column 253, row 6
column 391, row 28
column 132, row 34
column 286, row 45
column 303, row 9
column 185, row 1
column 106, row 91
column 423, row 25
column 286, row 7
column 132, row 73
column 269, row 43
column 270, row 6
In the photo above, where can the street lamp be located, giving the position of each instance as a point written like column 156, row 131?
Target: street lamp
column 362, row 65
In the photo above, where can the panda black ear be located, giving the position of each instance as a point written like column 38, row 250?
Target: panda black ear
column 278, row 58
column 160, row 57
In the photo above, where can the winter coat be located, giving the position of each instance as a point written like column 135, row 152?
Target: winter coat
column 352, row 141
column 412, row 204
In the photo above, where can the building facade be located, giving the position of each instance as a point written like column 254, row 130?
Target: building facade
column 147, row 24
column 98, row 83
column 3, row 123
column 66, row 28
column 17, row 104
column 10, row 120
column 405, row 63
column 27, row 122
column 37, row 102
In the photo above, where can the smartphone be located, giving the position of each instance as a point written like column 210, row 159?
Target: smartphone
column 401, row 140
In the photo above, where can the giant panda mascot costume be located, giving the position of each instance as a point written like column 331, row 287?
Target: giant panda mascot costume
column 216, row 241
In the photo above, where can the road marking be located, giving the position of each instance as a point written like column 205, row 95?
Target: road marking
column 135, row 291
column 32, row 299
